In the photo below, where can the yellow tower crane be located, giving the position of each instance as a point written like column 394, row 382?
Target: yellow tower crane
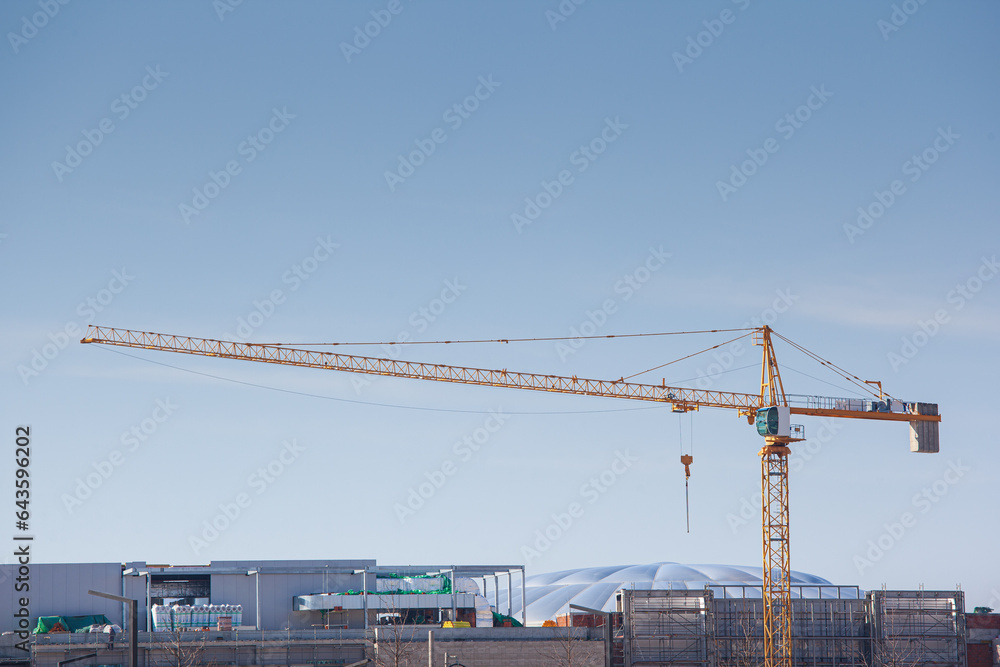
column 768, row 409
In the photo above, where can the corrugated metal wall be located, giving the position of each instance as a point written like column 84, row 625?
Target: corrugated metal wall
column 278, row 590
column 61, row 590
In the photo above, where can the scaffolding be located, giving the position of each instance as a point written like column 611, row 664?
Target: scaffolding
column 828, row 626
column 918, row 628
column 831, row 626
column 668, row 627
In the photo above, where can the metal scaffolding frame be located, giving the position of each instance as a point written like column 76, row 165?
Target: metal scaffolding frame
column 831, row 626
column 668, row 627
column 917, row 628
column 828, row 629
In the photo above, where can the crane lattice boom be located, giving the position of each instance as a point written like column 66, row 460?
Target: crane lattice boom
column 680, row 397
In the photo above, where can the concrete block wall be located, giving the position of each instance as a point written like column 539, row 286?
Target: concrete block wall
column 585, row 653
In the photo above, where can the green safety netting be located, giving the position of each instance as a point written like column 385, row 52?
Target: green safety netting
column 69, row 623
column 444, row 590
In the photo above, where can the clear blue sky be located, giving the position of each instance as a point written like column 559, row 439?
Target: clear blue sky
column 275, row 174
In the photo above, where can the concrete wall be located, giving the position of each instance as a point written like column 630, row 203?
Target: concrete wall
column 497, row 647
column 494, row 647
column 511, row 654
column 203, row 648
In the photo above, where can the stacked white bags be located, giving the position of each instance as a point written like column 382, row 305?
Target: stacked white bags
column 182, row 617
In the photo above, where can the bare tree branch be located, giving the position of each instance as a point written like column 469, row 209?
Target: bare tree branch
column 391, row 642
column 172, row 651
column 569, row 651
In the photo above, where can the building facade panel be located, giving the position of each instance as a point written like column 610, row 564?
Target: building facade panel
column 60, row 589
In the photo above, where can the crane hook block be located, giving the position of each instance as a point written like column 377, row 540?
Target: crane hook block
column 687, row 460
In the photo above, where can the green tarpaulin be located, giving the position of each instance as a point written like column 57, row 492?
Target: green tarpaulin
column 69, row 623
column 500, row 619
column 444, row 590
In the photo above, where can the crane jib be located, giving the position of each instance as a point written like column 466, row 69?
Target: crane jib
column 681, row 398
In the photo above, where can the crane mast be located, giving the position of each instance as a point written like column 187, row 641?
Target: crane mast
column 777, row 581
column 769, row 410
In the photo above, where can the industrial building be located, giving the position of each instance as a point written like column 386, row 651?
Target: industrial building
column 272, row 595
column 343, row 612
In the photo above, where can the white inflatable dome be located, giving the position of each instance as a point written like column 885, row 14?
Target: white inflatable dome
column 550, row 594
